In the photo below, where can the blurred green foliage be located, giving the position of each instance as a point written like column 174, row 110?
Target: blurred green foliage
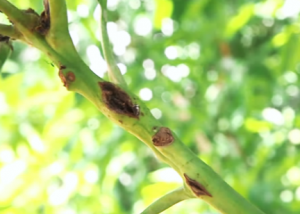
column 224, row 75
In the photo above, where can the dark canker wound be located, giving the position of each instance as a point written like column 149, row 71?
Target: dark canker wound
column 117, row 100
column 196, row 187
column 67, row 78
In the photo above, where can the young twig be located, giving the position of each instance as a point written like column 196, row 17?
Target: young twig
column 166, row 201
column 114, row 72
column 10, row 31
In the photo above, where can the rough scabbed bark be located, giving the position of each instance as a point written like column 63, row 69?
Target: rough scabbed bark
column 117, row 100
column 66, row 78
column 196, row 187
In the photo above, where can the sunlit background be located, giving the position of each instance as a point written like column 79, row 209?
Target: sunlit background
column 224, row 75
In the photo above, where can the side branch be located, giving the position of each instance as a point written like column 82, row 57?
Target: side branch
column 10, row 31
column 166, row 201
column 58, row 35
column 14, row 14
column 58, row 14
column 24, row 21
column 113, row 70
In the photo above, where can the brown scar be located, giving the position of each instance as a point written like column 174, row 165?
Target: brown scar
column 117, row 100
column 196, row 187
column 70, row 77
column 62, row 77
column 163, row 137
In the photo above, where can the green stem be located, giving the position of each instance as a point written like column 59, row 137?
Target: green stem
column 58, row 36
column 10, row 31
column 166, row 201
column 23, row 21
column 185, row 162
column 113, row 70
column 58, row 14
column 14, row 14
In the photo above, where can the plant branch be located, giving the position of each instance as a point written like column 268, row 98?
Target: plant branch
column 166, row 201
column 14, row 14
column 10, row 31
column 58, row 35
column 58, row 14
column 202, row 182
column 113, row 70
column 23, row 21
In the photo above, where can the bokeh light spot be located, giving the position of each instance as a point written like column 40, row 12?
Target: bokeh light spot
column 156, row 113
column 142, row 25
column 294, row 136
column 145, row 94
column 83, row 10
column 286, row 196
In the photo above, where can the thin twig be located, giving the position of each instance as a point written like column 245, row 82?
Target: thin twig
column 113, row 70
column 166, row 201
column 58, row 36
column 10, row 31
column 15, row 15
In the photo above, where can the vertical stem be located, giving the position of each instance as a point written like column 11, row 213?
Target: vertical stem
column 58, row 36
column 113, row 70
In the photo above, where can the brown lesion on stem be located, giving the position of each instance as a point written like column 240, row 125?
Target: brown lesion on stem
column 62, row 76
column 163, row 137
column 196, row 187
column 67, row 78
column 70, row 77
column 117, row 100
